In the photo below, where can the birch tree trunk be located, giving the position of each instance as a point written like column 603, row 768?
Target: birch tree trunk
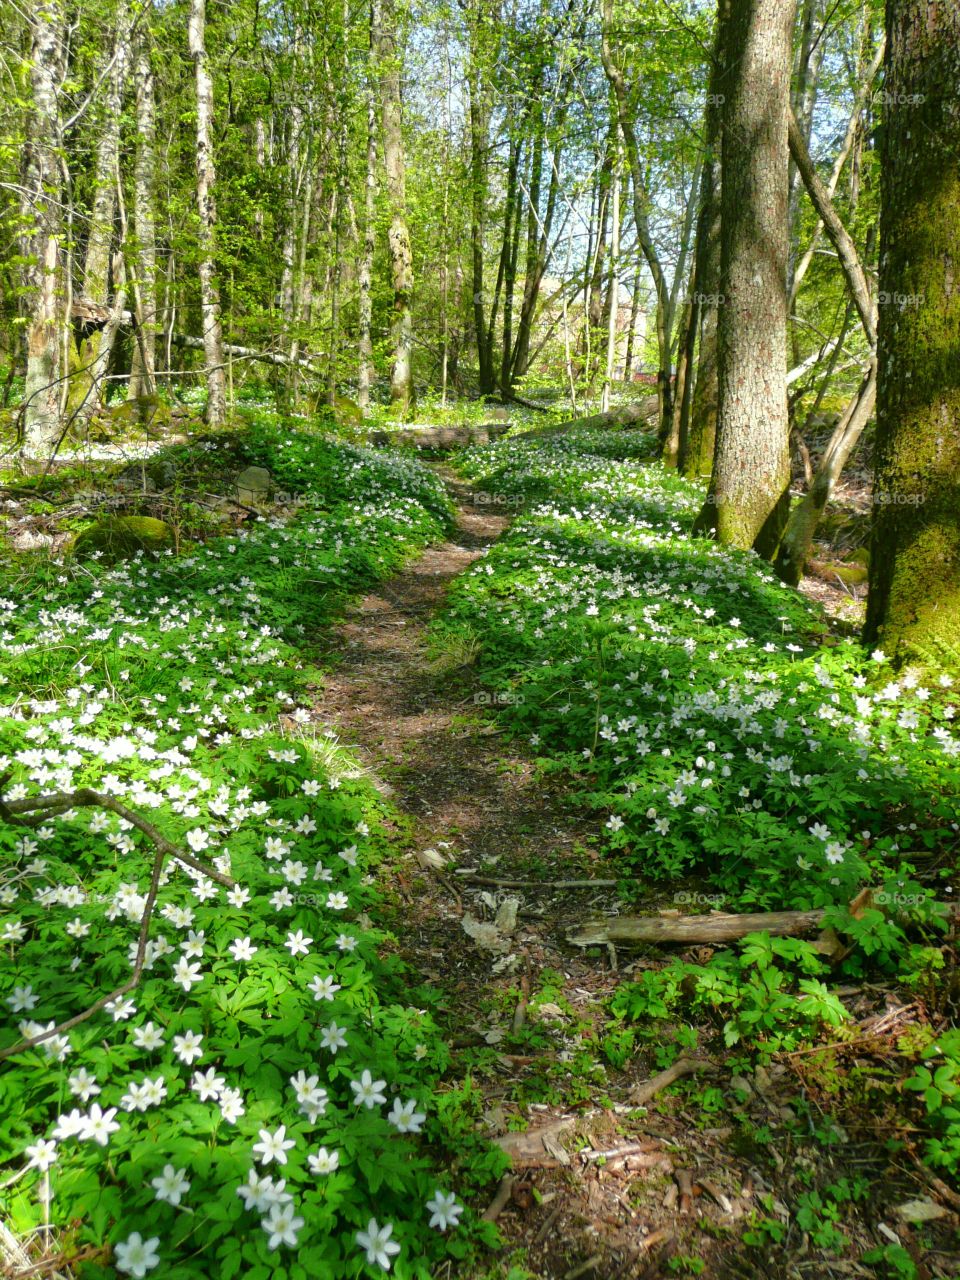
column 142, row 370
column 913, row 609
column 93, row 356
column 42, row 210
column 365, row 269
column 207, row 221
column 383, row 32
column 749, row 495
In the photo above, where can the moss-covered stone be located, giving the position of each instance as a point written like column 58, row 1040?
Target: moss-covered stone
column 121, row 537
column 347, row 412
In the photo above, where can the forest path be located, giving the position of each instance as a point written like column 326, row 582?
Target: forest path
column 526, row 1028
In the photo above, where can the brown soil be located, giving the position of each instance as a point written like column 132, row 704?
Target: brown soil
column 613, row 1191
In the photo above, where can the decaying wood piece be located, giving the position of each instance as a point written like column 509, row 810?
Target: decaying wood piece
column 682, row 1067
column 537, row 1148
column 718, row 926
column 721, row 927
column 501, row 1199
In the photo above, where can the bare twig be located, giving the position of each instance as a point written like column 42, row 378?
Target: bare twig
column 470, row 877
column 61, row 802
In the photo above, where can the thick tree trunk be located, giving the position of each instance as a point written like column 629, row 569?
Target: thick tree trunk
column 749, row 491
column 384, row 41
column 913, row 609
column 42, row 213
column 144, row 179
column 207, row 214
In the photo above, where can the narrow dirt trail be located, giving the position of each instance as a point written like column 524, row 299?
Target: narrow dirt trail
column 523, row 1020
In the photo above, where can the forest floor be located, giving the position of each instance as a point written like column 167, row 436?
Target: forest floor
column 599, row 1187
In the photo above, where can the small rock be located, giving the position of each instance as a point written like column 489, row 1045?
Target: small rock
column 254, row 486
column 506, row 920
column 921, row 1210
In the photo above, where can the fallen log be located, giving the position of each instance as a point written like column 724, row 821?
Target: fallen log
column 438, row 437
column 719, row 927
column 625, row 415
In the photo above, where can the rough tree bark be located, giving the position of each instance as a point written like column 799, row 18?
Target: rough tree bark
column 913, row 609
column 207, row 215
column 42, row 210
column 383, row 34
column 749, row 493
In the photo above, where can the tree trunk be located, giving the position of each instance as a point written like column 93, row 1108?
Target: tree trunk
column 697, row 457
column 383, row 33
column 750, row 488
column 365, row 271
column 664, row 316
column 853, row 122
column 634, row 313
column 614, row 303
column 207, row 214
column 93, row 355
column 144, row 177
column 795, row 546
column 42, row 213
column 913, row 609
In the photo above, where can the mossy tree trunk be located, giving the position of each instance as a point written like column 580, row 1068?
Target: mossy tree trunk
column 913, row 610
column 749, row 497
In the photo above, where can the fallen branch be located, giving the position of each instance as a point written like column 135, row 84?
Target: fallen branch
column 501, row 1199
column 247, row 353
column 470, row 877
column 624, row 930
column 682, row 1067
column 719, row 926
column 43, row 807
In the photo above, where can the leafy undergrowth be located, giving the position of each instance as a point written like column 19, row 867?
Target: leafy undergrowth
column 696, row 699
column 262, row 1102
column 743, row 754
